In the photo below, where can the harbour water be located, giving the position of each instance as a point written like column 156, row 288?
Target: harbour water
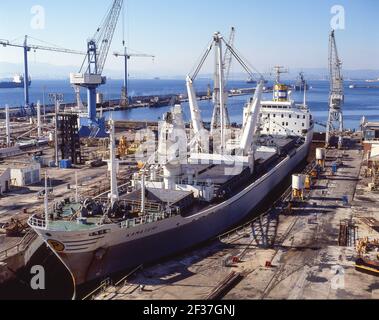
column 358, row 102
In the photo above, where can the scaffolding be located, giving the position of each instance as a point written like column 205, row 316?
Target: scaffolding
column 68, row 137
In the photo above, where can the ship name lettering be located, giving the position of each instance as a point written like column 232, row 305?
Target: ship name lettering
column 99, row 233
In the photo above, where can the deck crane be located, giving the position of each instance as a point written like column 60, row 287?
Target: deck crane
column 219, row 96
column 27, row 48
column 227, row 64
column 336, row 98
column 90, row 74
column 127, row 56
column 228, row 57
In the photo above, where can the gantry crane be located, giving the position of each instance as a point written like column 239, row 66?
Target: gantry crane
column 127, row 56
column 336, row 98
column 28, row 47
column 90, row 74
column 227, row 65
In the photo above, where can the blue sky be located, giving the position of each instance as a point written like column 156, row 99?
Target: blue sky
column 292, row 33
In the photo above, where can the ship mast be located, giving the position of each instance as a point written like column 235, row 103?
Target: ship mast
column 219, row 89
column 76, row 188
column 113, row 164
column 278, row 71
column 305, row 94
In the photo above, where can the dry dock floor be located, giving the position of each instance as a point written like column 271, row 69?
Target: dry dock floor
column 306, row 259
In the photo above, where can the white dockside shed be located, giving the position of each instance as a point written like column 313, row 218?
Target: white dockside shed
column 23, row 175
column 5, row 180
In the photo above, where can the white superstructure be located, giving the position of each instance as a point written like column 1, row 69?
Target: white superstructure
column 283, row 118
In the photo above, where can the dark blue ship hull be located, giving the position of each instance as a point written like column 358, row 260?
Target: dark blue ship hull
column 12, row 85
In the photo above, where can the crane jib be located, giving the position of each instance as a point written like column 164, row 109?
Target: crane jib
column 103, row 43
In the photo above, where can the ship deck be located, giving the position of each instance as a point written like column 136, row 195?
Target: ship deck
column 234, row 184
column 63, row 225
column 228, row 179
column 159, row 196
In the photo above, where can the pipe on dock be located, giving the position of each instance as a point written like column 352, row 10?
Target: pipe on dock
column 7, row 125
column 39, row 119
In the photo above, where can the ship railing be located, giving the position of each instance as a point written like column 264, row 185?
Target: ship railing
column 150, row 205
column 146, row 219
column 25, row 242
column 37, row 222
column 195, row 183
column 106, row 192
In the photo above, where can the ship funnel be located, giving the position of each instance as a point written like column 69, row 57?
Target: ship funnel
column 281, row 92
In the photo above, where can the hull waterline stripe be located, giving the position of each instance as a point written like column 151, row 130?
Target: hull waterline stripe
column 81, row 244
column 82, row 241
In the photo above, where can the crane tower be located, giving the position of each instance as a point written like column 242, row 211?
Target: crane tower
column 90, row 74
column 27, row 48
column 127, row 56
column 336, row 99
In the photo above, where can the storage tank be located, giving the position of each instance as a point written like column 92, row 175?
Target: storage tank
column 321, row 156
column 298, row 186
column 298, row 182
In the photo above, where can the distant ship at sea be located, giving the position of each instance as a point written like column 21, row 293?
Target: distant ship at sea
column 250, row 80
column 17, row 82
column 300, row 84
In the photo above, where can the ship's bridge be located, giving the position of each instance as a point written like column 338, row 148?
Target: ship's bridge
column 283, row 117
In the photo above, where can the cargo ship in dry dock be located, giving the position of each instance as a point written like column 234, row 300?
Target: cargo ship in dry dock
column 198, row 184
